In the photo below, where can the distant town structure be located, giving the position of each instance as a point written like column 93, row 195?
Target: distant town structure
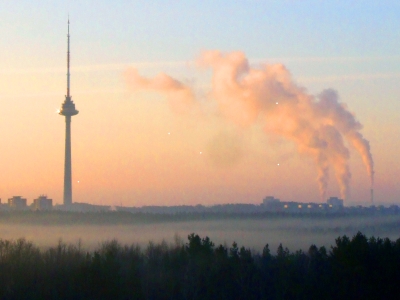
column 275, row 205
column 68, row 110
column 17, row 202
column 269, row 205
column 272, row 203
column 270, row 200
column 42, row 203
column 334, row 201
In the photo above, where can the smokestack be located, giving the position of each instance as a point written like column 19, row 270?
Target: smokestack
column 372, row 196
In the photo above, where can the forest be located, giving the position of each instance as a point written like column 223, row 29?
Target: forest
column 359, row 267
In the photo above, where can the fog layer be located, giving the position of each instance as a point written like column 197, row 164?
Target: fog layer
column 294, row 232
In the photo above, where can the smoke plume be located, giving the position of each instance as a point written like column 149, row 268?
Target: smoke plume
column 180, row 96
column 320, row 126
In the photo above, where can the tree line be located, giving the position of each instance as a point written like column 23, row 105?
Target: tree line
column 353, row 268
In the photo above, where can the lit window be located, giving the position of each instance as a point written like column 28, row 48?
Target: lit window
column 285, row 206
column 309, row 205
column 299, row 205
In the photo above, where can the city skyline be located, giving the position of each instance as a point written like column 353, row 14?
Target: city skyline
column 135, row 149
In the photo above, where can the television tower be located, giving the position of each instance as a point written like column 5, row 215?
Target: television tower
column 68, row 110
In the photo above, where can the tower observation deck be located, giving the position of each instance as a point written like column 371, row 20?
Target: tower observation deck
column 68, row 110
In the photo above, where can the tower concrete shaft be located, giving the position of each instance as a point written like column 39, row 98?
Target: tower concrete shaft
column 67, row 163
column 68, row 110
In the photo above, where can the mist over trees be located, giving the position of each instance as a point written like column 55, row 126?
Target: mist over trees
column 354, row 268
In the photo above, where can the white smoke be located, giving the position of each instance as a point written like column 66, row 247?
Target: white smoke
column 319, row 125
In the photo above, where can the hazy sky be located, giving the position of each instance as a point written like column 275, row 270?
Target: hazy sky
column 130, row 146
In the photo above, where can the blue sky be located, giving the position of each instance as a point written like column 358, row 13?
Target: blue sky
column 176, row 30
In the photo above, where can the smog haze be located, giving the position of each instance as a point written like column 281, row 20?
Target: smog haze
column 185, row 104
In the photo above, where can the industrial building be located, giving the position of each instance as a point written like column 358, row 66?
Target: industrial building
column 334, row 201
column 275, row 205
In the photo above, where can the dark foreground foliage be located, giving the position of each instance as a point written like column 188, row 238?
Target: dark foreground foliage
column 356, row 268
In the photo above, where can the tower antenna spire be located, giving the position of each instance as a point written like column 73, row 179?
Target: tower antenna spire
column 68, row 60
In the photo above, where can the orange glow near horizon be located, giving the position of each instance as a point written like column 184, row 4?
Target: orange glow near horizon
column 140, row 148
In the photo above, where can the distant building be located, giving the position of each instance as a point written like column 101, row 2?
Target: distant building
column 17, row 202
column 275, row 205
column 42, row 203
column 300, row 207
column 272, row 203
column 270, row 199
column 335, row 201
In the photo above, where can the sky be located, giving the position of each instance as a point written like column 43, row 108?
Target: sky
column 161, row 88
